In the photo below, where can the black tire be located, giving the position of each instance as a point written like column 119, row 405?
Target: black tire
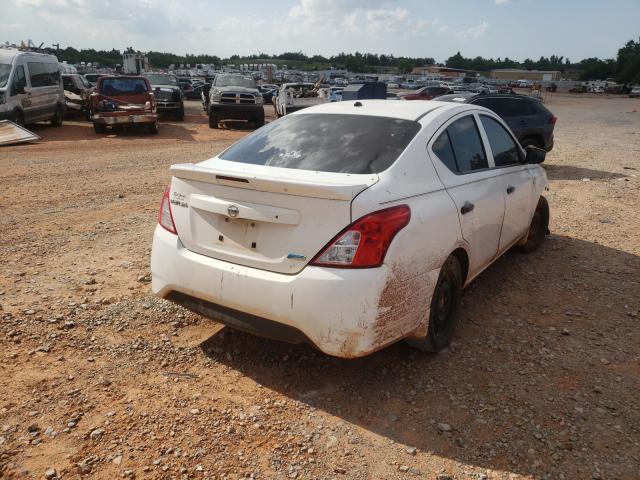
column 56, row 121
column 538, row 229
column 259, row 122
column 152, row 128
column 180, row 114
column 445, row 303
column 99, row 128
column 531, row 142
column 18, row 118
column 213, row 121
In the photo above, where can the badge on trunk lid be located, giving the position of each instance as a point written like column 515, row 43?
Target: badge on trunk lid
column 233, row 211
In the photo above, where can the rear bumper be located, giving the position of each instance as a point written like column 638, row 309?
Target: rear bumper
column 125, row 119
column 234, row 111
column 343, row 312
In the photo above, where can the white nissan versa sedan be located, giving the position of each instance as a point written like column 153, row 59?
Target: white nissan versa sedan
column 349, row 225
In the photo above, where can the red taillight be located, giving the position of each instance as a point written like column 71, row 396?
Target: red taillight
column 364, row 243
column 165, row 216
column 553, row 120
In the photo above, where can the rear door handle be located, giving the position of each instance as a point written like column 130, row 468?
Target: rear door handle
column 466, row 208
column 511, row 189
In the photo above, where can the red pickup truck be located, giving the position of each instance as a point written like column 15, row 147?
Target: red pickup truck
column 126, row 100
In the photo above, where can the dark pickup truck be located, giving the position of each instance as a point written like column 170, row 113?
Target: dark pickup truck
column 168, row 95
column 234, row 97
column 126, row 100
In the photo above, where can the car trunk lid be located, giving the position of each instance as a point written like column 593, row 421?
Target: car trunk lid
column 264, row 217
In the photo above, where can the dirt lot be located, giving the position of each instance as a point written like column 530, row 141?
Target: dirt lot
column 100, row 379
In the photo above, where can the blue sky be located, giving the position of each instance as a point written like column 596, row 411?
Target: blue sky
column 491, row 28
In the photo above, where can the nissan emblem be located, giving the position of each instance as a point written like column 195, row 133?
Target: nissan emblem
column 233, row 211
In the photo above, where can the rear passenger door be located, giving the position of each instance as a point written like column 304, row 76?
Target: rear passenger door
column 462, row 164
column 516, row 180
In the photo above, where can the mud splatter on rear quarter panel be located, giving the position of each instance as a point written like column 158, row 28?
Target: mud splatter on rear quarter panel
column 403, row 304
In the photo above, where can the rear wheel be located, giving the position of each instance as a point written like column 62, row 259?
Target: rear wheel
column 445, row 304
column 538, row 228
column 56, row 121
column 99, row 128
column 213, row 121
column 531, row 142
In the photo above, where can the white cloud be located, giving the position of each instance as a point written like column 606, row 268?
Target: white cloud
column 312, row 26
column 473, row 32
column 356, row 16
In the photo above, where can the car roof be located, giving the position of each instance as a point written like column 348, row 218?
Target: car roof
column 457, row 97
column 7, row 55
column 467, row 97
column 402, row 109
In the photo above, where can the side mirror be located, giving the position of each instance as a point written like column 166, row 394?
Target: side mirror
column 535, row 154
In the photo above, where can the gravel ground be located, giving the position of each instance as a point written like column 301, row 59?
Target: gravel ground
column 99, row 379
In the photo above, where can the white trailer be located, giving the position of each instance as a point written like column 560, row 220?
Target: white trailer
column 135, row 63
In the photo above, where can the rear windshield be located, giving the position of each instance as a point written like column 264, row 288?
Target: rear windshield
column 115, row 86
column 326, row 143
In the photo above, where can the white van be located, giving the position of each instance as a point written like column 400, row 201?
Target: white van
column 30, row 87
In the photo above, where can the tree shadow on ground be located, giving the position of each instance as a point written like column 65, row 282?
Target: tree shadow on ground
column 518, row 385
column 569, row 172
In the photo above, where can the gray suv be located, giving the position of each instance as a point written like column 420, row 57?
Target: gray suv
column 527, row 117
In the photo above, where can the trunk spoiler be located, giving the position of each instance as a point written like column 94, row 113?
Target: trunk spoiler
column 301, row 183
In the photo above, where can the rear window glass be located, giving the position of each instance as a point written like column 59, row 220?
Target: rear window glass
column 442, row 149
column 115, row 86
column 44, row 74
column 497, row 105
column 467, row 145
column 508, row 107
column 326, row 143
column 67, row 82
column 460, row 148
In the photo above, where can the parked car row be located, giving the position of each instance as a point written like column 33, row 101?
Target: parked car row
column 32, row 89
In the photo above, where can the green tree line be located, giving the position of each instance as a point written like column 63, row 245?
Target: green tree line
column 625, row 68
